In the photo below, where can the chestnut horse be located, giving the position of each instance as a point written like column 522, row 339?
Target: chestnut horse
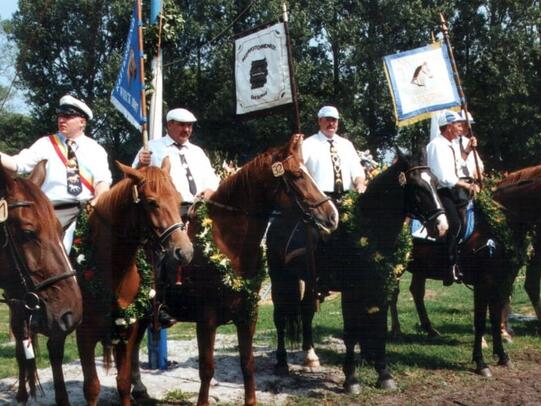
column 39, row 283
column 380, row 212
column 239, row 211
column 486, row 265
column 520, row 195
column 143, row 205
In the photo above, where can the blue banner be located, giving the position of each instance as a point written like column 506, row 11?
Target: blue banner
column 126, row 95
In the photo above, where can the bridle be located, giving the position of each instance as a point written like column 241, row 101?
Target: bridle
column 412, row 210
column 31, row 289
column 160, row 238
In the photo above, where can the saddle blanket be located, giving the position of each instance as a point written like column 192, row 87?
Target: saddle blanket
column 418, row 230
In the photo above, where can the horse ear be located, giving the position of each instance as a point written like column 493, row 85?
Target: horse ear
column 37, row 177
column 130, row 172
column 166, row 164
column 295, row 144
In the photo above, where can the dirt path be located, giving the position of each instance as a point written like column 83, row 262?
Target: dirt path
column 520, row 385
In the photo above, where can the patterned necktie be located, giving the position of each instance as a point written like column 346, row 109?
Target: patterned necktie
column 191, row 182
column 72, row 170
column 336, row 166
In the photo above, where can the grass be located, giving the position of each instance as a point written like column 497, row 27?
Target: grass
column 413, row 357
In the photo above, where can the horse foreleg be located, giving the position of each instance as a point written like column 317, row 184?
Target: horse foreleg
column 417, row 289
column 139, row 390
column 532, row 282
column 206, row 336
column 496, row 310
column 55, row 345
column 86, row 344
column 22, row 362
column 395, row 322
column 245, row 334
column 480, row 300
column 123, row 356
column 311, row 360
column 350, row 310
column 281, row 367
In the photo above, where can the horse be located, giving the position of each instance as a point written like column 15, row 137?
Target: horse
column 39, row 283
column 144, row 205
column 380, row 213
column 487, row 266
column 519, row 194
column 229, row 227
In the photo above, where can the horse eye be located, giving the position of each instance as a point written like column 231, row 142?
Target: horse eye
column 29, row 234
column 153, row 204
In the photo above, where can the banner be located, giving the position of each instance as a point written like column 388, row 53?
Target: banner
column 156, row 101
column 262, row 76
column 126, row 95
column 421, row 81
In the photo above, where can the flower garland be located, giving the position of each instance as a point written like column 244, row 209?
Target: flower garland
column 82, row 256
column 248, row 287
column 389, row 267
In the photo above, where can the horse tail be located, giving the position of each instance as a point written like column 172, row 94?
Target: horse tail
column 294, row 326
column 31, row 369
column 107, row 357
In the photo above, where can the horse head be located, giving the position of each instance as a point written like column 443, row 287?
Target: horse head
column 300, row 189
column 153, row 190
column 421, row 198
column 35, row 273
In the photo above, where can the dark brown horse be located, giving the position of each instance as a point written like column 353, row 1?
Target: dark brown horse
column 144, row 205
column 520, row 195
column 39, row 284
column 486, row 265
column 379, row 213
column 240, row 210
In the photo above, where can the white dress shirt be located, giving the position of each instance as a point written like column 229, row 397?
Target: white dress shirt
column 198, row 163
column 444, row 160
column 317, row 158
column 91, row 158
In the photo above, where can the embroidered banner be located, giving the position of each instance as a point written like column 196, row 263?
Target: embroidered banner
column 262, row 76
column 126, row 95
column 421, row 81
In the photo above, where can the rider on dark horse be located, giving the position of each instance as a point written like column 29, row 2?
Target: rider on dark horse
column 191, row 171
column 451, row 159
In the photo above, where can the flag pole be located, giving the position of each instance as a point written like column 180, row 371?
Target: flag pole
column 142, row 71
column 296, row 114
column 464, row 105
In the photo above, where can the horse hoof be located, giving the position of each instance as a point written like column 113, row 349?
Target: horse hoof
column 484, row 372
column 352, row 388
column 311, row 360
column 387, row 384
column 140, row 395
column 506, row 363
column 281, row 370
column 506, row 337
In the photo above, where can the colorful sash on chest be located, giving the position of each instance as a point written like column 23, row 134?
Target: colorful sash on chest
column 59, row 147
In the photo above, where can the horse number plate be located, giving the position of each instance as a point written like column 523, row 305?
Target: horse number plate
column 3, row 210
column 277, row 169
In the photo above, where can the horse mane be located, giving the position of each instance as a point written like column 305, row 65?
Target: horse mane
column 530, row 173
column 244, row 178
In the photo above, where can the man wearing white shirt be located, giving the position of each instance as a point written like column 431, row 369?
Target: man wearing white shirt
column 191, row 171
column 77, row 168
column 334, row 175
column 447, row 162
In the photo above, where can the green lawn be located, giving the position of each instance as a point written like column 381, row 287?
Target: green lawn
column 412, row 357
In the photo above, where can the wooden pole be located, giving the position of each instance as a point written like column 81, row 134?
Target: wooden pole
column 296, row 114
column 142, row 71
column 445, row 32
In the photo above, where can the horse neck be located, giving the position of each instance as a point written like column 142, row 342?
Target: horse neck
column 380, row 210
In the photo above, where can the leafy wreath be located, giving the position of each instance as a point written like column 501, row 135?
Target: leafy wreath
column 389, row 267
column 247, row 287
column 90, row 281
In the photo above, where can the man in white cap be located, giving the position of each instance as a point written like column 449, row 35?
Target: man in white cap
column 191, row 171
column 447, row 162
column 331, row 159
column 77, row 168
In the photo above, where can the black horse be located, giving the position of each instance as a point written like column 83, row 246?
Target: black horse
column 352, row 261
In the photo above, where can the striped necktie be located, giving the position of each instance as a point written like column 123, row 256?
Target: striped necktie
column 191, row 181
column 72, row 170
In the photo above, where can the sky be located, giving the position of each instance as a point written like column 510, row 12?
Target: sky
column 8, row 7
